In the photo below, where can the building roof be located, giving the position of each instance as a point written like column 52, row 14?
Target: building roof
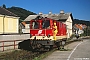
column 4, row 11
column 30, row 17
column 60, row 16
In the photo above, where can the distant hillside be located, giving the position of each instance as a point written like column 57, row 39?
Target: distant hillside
column 77, row 21
column 22, row 13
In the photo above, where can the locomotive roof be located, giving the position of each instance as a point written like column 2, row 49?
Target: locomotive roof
column 43, row 19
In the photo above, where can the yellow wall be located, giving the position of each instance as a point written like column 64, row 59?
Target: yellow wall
column 1, row 24
column 10, row 25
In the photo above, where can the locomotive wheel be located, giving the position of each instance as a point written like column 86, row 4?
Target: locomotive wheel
column 51, row 47
column 39, row 45
column 58, row 44
column 59, row 48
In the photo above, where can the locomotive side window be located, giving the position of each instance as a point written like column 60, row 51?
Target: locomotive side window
column 46, row 24
column 35, row 25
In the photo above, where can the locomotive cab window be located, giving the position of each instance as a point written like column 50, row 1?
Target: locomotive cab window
column 46, row 24
column 35, row 25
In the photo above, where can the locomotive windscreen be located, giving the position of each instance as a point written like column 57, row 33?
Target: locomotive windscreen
column 46, row 24
column 35, row 25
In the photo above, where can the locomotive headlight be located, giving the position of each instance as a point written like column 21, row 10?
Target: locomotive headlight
column 48, row 36
column 43, row 37
column 30, row 35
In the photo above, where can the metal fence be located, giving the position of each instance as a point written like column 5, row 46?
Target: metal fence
column 8, row 42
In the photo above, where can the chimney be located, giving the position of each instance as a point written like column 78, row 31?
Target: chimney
column 50, row 12
column 40, row 13
column 62, row 12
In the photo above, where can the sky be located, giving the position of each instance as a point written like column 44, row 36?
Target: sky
column 80, row 9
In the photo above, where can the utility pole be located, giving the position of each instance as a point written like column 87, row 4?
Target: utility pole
column 87, row 30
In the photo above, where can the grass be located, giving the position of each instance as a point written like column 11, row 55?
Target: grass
column 44, row 55
column 23, row 55
column 18, row 55
column 65, row 49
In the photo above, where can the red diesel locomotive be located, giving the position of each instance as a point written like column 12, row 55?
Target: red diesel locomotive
column 46, row 33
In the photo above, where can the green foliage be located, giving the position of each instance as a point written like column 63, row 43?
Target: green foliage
column 86, row 32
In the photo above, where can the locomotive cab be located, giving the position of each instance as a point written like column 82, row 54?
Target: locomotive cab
column 41, row 28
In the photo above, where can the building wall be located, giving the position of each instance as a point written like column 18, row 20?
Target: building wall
column 69, row 26
column 9, row 24
column 1, row 24
column 27, row 28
